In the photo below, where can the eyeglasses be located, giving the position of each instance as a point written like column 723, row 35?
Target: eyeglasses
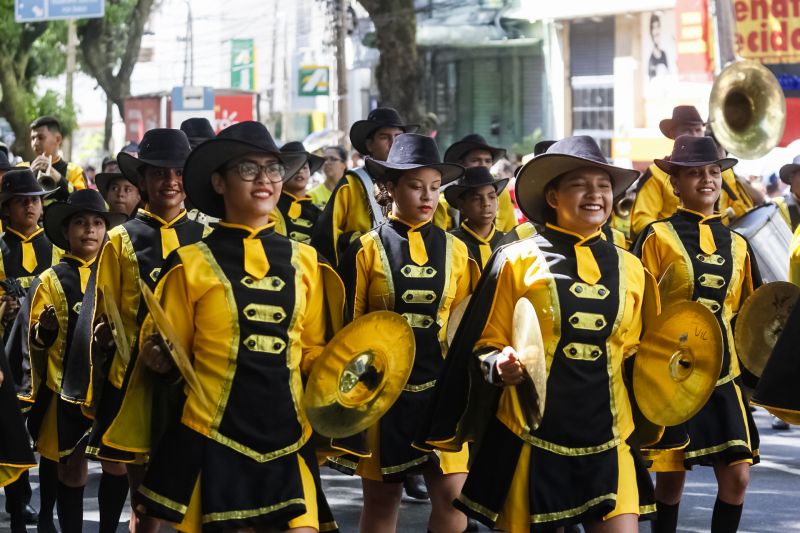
column 330, row 159
column 250, row 170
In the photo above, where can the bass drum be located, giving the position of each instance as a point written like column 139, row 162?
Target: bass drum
column 770, row 239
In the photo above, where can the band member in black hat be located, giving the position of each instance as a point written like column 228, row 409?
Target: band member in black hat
column 46, row 143
column 5, row 164
column 57, row 424
column 295, row 215
column 577, row 466
column 135, row 251
column 197, row 130
column 352, row 209
column 472, row 151
column 790, row 175
column 241, row 459
column 425, row 272
column 333, row 168
column 714, row 267
column 121, row 194
column 475, row 196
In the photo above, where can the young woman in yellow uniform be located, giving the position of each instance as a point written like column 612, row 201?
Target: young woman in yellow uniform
column 712, row 265
column 577, row 466
column 249, row 307
column 409, row 266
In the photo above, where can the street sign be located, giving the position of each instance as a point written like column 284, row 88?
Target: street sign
column 40, row 10
column 190, row 102
column 243, row 64
column 313, row 80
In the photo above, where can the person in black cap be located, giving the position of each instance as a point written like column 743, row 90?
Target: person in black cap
column 472, row 151
column 136, row 251
column 295, row 215
column 694, row 242
column 415, row 268
column 790, row 202
column 475, row 196
column 121, row 194
column 46, row 143
column 56, row 422
column 197, row 130
column 352, row 209
column 249, row 305
column 575, row 464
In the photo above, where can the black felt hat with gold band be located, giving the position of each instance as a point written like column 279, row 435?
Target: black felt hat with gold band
column 564, row 156
column 57, row 214
column 296, row 147
column 20, row 182
column 473, row 178
column 689, row 151
column 411, row 151
column 160, row 147
column 380, row 117
column 248, row 137
column 456, row 151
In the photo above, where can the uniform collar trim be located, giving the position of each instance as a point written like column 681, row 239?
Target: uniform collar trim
column 703, row 218
column 160, row 220
column 81, row 262
column 469, row 231
column 581, row 238
column 252, row 232
column 22, row 237
column 411, row 227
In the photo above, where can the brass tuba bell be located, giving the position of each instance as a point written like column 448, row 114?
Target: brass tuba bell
column 747, row 109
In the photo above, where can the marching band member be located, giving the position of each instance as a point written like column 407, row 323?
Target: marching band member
column 578, row 466
column 790, row 175
column 121, row 194
column 249, row 306
column 135, row 251
column 717, row 272
column 296, row 214
column 46, row 143
column 352, row 209
column 57, row 423
column 410, row 266
column 475, row 196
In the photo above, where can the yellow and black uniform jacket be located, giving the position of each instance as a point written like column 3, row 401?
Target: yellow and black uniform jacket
column 794, row 258
column 588, row 295
column 527, row 229
column 506, row 217
column 656, row 200
column 252, row 309
column 320, row 195
column 295, row 217
column 789, row 209
column 479, row 249
column 697, row 258
column 24, row 258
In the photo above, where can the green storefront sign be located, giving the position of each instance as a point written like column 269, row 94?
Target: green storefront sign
column 313, row 80
column 243, row 64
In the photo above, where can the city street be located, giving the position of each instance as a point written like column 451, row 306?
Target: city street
column 771, row 499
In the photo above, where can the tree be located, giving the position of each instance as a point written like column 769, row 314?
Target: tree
column 398, row 72
column 110, row 48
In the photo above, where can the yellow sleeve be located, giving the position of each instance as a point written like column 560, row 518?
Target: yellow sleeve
column 648, row 204
column 315, row 319
column 75, row 176
column 651, row 258
column 506, row 218
column 350, row 213
column 794, row 258
column 784, row 210
column 637, row 278
column 497, row 332
column 742, row 204
column 361, row 290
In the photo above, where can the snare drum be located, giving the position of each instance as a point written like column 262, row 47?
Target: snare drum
column 770, row 239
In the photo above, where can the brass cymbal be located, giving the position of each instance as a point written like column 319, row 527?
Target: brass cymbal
column 761, row 321
column 650, row 302
column 672, row 285
column 526, row 339
column 456, row 315
column 678, row 364
column 360, row 374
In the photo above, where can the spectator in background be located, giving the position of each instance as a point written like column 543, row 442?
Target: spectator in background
column 5, row 164
column 333, row 168
column 109, row 164
column 89, row 173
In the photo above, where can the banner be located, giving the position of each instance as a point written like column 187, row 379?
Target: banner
column 313, row 80
column 243, row 64
column 694, row 50
column 768, row 30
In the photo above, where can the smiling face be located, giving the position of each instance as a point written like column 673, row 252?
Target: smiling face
column 163, row 188
column 415, row 195
column 247, row 202
column 582, row 200
column 698, row 187
column 85, row 233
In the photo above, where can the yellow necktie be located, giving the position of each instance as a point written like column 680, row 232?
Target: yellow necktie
column 588, row 269
column 169, row 241
column 255, row 258
column 416, row 248
column 707, row 243
column 85, row 272
column 29, row 261
column 294, row 210
column 486, row 252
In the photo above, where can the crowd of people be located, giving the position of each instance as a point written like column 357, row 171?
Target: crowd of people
column 256, row 270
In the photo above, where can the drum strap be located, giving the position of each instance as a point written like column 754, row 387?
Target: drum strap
column 729, row 191
column 366, row 181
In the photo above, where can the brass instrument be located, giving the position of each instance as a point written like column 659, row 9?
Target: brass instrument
column 624, row 206
column 45, row 180
column 747, row 109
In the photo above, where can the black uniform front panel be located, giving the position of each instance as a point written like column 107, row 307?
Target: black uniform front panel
column 300, row 228
column 67, row 273
column 260, row 411
column 12, row 256
column 418, row 291
column 578, row 412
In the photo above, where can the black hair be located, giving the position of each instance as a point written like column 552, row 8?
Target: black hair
column 51, row 123
column 654, row 19
column 339, row 150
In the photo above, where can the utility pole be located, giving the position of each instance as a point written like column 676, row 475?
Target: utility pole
column 341, row 64
column 724, row 25
column 72, row 43
column 188, row 54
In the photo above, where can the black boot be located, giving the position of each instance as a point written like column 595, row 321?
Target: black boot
column 666, row 518
column 48, row 492
column 726, row 517
column 415, row 487
column 70, row 508
column 15, row 506
column 111, row 496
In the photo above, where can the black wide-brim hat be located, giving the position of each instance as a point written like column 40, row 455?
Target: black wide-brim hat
column 786, row 171
column 197, row 130
column 564, row 156
column 160, row 147
column 105, row 179
column 380, row 117
column 20, row 182
column 234, row 141
column 411, row 151
column 82, row 201
column 5, row 164
column 296, row 147
column 682, row 114
column 456, row 151
column 473, row 178
column 689, row 151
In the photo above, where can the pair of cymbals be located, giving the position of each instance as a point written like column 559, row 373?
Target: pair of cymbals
column 526, row 339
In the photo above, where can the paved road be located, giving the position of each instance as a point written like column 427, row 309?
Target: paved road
column 772, row 503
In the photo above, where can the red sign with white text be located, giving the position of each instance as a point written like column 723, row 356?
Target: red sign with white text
column 768, row 30
column 694, row 50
